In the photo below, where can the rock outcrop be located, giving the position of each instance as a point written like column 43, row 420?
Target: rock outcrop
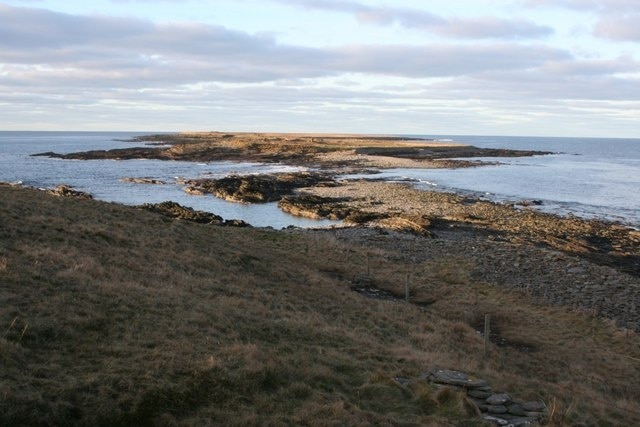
column 142, row 180
column 63, row 190
column 256, row 188
column 177, row 211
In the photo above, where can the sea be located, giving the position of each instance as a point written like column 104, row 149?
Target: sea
column 584, row 177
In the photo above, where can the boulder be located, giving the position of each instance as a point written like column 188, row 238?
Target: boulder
column 534, row 406
column 479, row 394
column 499, row 399
column 516, row 409
column 496, row 409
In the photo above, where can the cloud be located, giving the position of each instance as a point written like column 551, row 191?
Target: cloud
column 463, row 28
column 619, row 27
column 613, row 6
column 616, row 19
column 131, row 51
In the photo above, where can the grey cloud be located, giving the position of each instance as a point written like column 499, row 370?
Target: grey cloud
column 542, row 87
column 444, row 59
column 611, row 6
column 592, row 67
column 617, row 19
column 489, row 27
column 42, row 29
column 131, row 51
column 619, row 27
column 472, row 28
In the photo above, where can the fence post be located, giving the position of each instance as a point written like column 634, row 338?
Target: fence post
column 368, row 266
column 487, row 332
column 406, row 288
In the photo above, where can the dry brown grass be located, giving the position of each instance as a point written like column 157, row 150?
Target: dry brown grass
column 115, row 316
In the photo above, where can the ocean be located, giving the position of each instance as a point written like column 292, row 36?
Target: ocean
column 586, row 177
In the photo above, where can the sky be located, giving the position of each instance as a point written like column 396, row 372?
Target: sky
column 455, row 67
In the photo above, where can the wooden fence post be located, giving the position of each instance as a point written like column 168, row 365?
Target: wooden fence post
column 487, row 332
column 406, row 288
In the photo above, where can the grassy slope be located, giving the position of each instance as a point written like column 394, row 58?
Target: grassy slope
column 116, row 316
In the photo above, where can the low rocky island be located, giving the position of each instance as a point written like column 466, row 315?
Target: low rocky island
column 314, row 150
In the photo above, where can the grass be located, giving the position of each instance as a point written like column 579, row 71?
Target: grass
column 111, row 315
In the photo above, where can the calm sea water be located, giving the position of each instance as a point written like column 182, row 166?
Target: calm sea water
column 101, row 178
column 588, row 177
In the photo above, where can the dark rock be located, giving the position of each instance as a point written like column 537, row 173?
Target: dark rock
column 496, row 409
column 257, row 188
column 446, row 376
column 177, row 211
column 516, row 409
column 142, row 180
column 422, row 152
column 534, row 406
column 310, row 206
column 499, row 399
column 236, row 223
column 115, row 154
column 479, row 394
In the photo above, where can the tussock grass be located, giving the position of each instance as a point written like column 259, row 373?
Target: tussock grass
column 115, row 316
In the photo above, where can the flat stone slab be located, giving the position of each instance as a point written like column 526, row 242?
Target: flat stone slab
column 479, row 394
column 497, row 409
column 455, row 378
column 499, row 399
